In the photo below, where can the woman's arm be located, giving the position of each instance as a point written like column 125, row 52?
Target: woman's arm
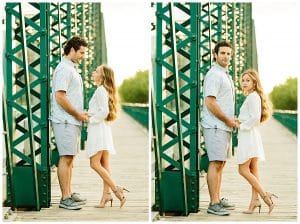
column 254, row 109
column 102, row 106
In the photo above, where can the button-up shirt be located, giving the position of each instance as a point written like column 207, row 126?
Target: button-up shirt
column 218, row 83
column 66, row 78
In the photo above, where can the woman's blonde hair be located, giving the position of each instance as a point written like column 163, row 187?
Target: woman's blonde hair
column 108, row 82
column 265, row 105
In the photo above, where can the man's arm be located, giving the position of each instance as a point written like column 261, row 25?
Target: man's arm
column 63, row 101
column 213, row 107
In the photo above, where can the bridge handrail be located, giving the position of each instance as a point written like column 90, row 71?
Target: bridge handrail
column 285, row 111
column 138, row 111
column 135, row 104
column 288, row 118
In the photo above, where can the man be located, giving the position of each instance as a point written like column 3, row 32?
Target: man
column 218, row 121
column 66, row 116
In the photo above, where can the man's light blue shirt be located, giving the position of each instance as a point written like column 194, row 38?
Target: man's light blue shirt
column 66, row 78
column 218, row 83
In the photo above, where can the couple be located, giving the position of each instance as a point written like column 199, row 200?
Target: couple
column 67, row 116
column 218, row 122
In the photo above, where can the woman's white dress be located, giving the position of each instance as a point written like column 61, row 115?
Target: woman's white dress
column 99, row 131
column 249, row 139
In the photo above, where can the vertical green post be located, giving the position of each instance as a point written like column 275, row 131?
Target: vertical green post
column 9, row 162
column 178, row 109
column 28, row 106
column 157, row 91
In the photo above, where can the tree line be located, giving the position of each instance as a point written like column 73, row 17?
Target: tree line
column 284, row 96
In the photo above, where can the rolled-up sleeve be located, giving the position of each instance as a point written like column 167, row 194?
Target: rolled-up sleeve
column 212, row 85
column 62, row 79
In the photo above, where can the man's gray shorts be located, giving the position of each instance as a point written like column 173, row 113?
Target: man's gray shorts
column 67, row 138
column 217, row 143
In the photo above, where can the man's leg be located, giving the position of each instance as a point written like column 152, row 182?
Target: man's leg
column 70, row 178
column 63, row 173
column 213, row 177
column 220, row 179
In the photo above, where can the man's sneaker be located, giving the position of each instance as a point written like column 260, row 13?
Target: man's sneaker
column 226, row 204
column 77, row 198
column 69, row 203
column 217, row 209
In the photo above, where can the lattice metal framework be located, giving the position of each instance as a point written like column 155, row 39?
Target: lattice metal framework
column 176, row 98
column 33, row 49
column 180, row 66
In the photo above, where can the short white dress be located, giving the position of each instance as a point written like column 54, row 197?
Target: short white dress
column 249, row 139
column 99, row 131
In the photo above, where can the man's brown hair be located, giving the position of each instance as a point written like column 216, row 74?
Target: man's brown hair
column 223, row 43
column 75, row 42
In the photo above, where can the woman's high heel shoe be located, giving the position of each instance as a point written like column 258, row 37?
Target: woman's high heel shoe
column 106, row 197
column 119, row 194
column 251, row 210
column 268, row 200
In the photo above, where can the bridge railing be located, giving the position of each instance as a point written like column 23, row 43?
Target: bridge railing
column 288, row 118
column 137, row 111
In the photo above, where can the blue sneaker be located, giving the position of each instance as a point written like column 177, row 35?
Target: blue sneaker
column 226, row 204
column 217, row 209
column 69, row 203
column 77, row 198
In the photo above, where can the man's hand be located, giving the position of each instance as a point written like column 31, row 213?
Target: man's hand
column 230, row 123
column 213, row 107
column 82, row 117
column 237, row 123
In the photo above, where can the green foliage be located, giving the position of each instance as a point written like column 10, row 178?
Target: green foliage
column 135, row 89
column 284, row 96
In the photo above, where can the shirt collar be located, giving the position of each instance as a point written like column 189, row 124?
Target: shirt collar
column 68, row 61
column 221, row 68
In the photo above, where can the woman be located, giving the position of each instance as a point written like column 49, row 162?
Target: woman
column 254, row 110
column 102, row 110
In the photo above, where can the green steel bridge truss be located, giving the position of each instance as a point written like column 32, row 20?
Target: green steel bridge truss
column 185, row 34
column 33, row 48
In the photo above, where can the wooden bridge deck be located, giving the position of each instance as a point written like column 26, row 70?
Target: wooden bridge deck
column 130, row 169
column 278, row 174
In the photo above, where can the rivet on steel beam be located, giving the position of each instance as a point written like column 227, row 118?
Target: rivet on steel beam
column 8, row 9
column 8, row 56
column 158, row 14
column 43, row 79
column 158, row 60
column 193, row 84
column 192, row 130
column 43, row 32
